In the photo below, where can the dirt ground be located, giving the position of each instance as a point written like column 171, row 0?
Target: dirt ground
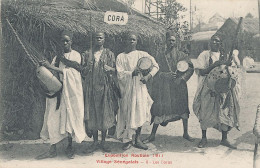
column 169, row 149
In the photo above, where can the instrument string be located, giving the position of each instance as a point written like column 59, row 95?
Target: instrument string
column 31, row 57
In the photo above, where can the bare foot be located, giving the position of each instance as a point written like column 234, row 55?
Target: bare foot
column 151, row 138
column 227, row 144
column 50, row 154
column 127, row 145
column 70, row 152
column 203, row 143
column 188, row 137
column 46, row 155
column 139, row 144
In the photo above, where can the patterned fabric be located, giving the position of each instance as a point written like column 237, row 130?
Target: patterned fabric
column 100, row 99
column 169, row 98
column 210, row 108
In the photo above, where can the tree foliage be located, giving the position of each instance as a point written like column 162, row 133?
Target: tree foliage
column 172, row 18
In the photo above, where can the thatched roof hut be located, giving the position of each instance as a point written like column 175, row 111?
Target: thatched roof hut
column 49, row 20
column 249, row 28
column 39, row 23
column 203, row 36
column 200, row 42
column 245, row 42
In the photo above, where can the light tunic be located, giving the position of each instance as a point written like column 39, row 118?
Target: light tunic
column 69, row 117
column 135, row 104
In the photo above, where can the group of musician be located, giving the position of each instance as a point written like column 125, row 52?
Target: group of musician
column 105, row 93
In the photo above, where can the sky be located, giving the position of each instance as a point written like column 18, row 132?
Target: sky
column 207, row 8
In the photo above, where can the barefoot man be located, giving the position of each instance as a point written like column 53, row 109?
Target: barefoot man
column 208, row 105
column 99, row 88
column 135, row 105
column 64, row 114
column 170, row 91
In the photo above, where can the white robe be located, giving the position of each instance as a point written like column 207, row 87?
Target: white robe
column 135, row 104
column 69, row 118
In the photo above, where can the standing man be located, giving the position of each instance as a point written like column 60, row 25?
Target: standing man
column 170, row 92
column 100, row 91
column 64, row 114
column 135, row 105
column 214, row 109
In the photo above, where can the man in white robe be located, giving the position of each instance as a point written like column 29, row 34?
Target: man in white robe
column 64, row 114
column 135, row 104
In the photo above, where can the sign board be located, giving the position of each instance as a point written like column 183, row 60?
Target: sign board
column 118, row 18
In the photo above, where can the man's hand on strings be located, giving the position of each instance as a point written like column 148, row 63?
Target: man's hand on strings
column 228, row 63
column 218, row 63
column 46, row 64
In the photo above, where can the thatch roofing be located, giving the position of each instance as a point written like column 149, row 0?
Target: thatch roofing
column 40, row 25
column 249, row 25
column 248, row 30
column 78, row 20
column 244, row 41
column 216, row 18
column 202, row 36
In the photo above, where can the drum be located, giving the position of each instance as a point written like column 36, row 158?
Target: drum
column 145, row 65
column 48, row 81
column 182, row 66
column 218, row 79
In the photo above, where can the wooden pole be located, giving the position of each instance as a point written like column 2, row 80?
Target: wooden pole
column 259, row 16
column 31, row 57
column 256, row 132
column 190, row 16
